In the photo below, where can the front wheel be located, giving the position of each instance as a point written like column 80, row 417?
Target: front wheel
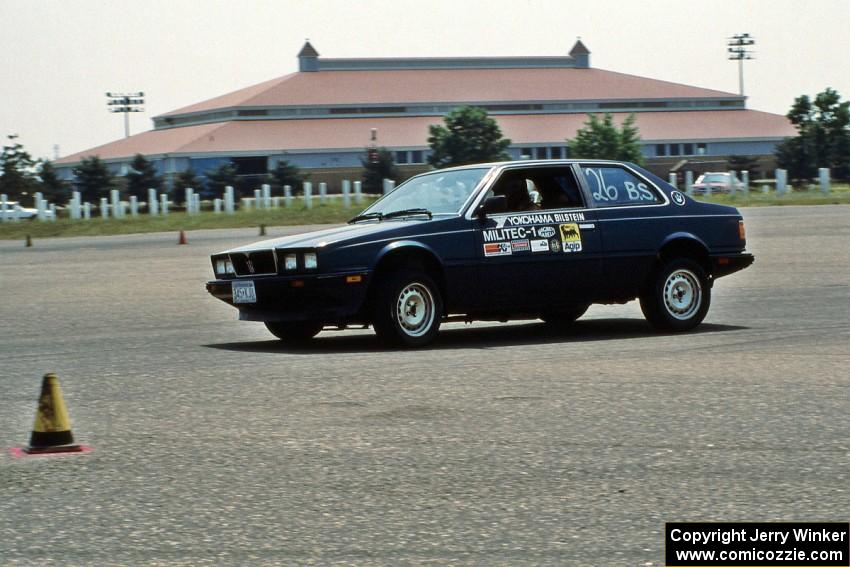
column 407, row 308
column 677, row 296
column 294, row 332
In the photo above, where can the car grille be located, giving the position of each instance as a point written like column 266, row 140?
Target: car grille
column 254, row 263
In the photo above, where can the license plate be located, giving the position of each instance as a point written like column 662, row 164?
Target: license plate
column 244, row 292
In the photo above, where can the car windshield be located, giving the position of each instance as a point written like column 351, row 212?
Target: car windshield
column 440, row 192
column 715, row 178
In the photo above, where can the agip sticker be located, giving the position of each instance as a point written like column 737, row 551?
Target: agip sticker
column 570, row 237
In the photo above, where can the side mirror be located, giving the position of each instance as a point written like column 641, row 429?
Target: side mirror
column 492, row 205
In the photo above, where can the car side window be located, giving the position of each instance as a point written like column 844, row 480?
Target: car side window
column 539, row 188
column 612, row 186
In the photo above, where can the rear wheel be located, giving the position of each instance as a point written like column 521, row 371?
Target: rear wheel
column 678, row 296
column 294, row 332
column 407, row 308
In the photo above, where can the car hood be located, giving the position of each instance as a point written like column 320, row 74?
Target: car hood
column 367, row 230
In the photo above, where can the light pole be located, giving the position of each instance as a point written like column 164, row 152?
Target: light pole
column 126, row 103
column 737, row 49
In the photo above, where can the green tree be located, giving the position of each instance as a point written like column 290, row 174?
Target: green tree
column 378, row 164
column 186, row 179
column 93, row 179
column 51, row 186
column 286, row 174
column 469, row 136
column 601, row 139
column 221, row 177
column 17, row 177
column 141, row 177
column 823, row 138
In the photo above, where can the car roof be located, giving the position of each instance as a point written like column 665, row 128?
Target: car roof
column 533, row 162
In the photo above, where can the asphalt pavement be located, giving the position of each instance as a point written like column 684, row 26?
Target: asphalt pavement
column 502, row 444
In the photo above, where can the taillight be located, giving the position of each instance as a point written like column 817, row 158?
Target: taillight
column 742, row 232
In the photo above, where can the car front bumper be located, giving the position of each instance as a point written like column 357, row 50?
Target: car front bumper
column 329, row 298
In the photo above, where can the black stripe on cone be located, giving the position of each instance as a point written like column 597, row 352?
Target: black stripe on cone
column 51, row 432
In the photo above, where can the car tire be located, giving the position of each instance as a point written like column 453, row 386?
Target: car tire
column 294, row 332
column 677, row 296
column 564, row 317
column 407, row 308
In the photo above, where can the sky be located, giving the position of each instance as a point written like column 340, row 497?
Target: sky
column 59, row 58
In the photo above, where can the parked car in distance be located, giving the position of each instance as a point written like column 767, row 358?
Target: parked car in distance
column 14, row 210
column 716, row 182
column 470, row 243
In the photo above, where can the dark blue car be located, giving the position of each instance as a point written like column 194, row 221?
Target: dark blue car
column 528, row 239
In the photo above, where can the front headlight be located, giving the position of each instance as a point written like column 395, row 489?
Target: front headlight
column 223, row 266
column 290, row 262
column 310, row 261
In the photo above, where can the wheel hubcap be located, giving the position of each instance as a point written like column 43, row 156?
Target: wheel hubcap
column 415, row 309
column 682, row 294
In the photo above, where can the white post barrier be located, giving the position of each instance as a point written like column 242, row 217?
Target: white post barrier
column 672, row 179
column 190, row 200
column 196, row 204
column 823, row 174
column 745, row 179
column 287, row 196
column 134, row 206
column 52, row 216
column 346, row 193
column 781, row 181
column 389, row 185
column 275, row 202
column 115, row 203
column 358, row 192
column 258, row 198
column 4, row 203
column 308, row 194
column 689, row 183
column 39, row 206
column 245, row 203
column 163, row 204
column 229, row 206
column 217, row 205
column 104, row 208
column 75, row 205
column 323, row 192
column 153, row 209
column 733, row 187
column 87, row 210
column 267, row 196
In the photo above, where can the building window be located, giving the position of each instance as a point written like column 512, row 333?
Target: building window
column 416, row 156
column 541, row 153
column 702, row 149
column 555, row 152
column 689, row 149
column 660, row 150
column 674, row 150
column 401, row 157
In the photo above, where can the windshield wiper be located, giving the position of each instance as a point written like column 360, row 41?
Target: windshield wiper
column 366, row 216
column 406, row 212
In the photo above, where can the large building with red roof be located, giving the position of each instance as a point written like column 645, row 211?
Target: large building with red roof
column 322, row 117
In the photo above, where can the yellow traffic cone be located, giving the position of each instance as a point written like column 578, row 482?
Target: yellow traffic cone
column 51, row 432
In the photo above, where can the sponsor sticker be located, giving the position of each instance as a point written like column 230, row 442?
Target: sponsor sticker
column 677, row 197
column 570, row 237
column 540, row 245
column 520, row 246
column 538, row 218
column 555, row 245
column 497, row 249
column 546, row 231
